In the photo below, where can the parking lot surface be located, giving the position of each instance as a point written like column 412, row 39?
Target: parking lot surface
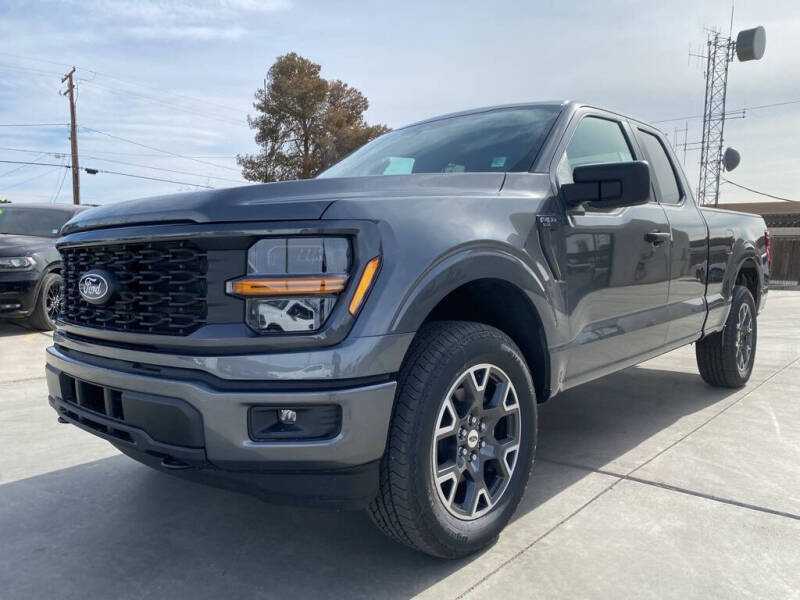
column 648, row 484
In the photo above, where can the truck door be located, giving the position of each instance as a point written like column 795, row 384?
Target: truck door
column 687, row 271
column 616, row 261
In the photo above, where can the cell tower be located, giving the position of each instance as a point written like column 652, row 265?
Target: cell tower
column 721, row 51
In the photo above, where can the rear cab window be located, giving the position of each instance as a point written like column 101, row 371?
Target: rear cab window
column 661, row 168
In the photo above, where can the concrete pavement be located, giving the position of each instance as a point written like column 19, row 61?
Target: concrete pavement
column 648, row 484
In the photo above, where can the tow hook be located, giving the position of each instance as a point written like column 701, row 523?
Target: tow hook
column 173, row 464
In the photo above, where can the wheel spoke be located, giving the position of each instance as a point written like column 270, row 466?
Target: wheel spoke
column 475, row 386
column 448, row 420
column 508, row 459
column 504, row 402
column 475, row 492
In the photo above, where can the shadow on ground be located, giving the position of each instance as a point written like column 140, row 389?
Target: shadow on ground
column 12, row 328
column 113, row 528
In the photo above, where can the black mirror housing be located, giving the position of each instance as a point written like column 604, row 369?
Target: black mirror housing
column 609, row 185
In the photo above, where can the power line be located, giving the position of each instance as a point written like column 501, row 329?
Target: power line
column 29, row 70
column 746, row 108
column 125, row 81
column 208, row 187
column 37, row 176
column 41, row 60
column 197, row 160
column 60, row 185
column 757, row 192
column 130, row 164
column 94, row 171
column 160, row 91
column 26, row 162
column 25, row 166
column 96, row 151
column 34, row 124
column 220, row 118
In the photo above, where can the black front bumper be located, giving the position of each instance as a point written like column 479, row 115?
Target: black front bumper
column 18, row 292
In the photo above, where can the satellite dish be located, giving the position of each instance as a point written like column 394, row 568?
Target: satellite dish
column 751, row 43
column 731, row 159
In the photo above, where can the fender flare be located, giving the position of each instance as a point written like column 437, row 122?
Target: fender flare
column 745, row 252
column 466, row 265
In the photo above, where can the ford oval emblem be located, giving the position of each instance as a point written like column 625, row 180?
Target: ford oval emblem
column 95, row 287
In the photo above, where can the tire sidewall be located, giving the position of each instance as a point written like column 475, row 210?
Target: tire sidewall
column 445, row 527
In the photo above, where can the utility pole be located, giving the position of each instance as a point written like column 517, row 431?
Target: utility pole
column 73, row 137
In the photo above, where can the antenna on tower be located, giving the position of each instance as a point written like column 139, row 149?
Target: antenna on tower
column 720, row 52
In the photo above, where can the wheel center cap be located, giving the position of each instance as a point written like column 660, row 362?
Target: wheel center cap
column 472, row 438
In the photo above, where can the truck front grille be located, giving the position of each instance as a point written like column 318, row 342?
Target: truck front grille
column 161, row 287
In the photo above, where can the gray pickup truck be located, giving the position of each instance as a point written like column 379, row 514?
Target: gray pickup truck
column 380, row 336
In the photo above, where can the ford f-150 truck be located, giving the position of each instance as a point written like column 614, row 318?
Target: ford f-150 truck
column 380, row 336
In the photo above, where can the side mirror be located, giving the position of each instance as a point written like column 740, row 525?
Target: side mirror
column 609, row 185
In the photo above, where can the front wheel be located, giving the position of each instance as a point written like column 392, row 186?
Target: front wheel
column 48, row 304
column 461, row 440
column 726, row 358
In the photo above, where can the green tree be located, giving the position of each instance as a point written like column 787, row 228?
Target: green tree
column 304, row 123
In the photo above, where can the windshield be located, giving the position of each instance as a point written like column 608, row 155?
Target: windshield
column 41, row 222
column 498, row 140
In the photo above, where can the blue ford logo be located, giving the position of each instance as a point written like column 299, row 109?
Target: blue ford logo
column 95, row 287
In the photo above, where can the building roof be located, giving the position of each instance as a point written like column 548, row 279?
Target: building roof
column 777, row 215
column 764, row 208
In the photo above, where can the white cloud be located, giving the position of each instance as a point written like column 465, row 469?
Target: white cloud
column 186, row 32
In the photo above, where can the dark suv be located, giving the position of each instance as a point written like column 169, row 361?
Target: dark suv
column 380, row 336
column 30, row 266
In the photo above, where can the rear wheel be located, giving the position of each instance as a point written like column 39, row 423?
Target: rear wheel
column 726, row 358
column 461, row 440
column 48, row 304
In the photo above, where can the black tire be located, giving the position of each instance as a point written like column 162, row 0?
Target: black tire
column 409, row 507
column 718, row 354
column 43, row 316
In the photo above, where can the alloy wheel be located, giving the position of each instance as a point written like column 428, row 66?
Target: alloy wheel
column 476, row 441
column 744, row 338
column 52, row 301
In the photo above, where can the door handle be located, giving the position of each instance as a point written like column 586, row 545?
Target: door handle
column 657, row 237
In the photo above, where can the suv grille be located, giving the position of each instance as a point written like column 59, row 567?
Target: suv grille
column 162, row 287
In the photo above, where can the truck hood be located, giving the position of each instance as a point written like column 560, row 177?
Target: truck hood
column 285, row 201
column 22, row 245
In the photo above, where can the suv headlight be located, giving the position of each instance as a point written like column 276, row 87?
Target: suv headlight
column 17, row 263
column 292, row 284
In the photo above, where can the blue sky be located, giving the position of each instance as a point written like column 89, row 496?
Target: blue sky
column 178, row 76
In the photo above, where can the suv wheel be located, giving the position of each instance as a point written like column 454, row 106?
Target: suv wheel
column 726, row 358
column 461, row 440
column 48, row 304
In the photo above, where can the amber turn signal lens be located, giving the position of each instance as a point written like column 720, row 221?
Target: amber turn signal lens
column 363, row 286
column 287, row 286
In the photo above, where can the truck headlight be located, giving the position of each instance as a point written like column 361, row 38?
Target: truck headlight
column 292, row 284
column 17, row 263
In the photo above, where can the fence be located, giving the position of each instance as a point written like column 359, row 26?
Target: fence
column 785, row 270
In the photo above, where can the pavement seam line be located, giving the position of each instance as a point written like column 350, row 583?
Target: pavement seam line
column 23, row 328
column 23, row 380
column 522, row 551
column 713, row 417
column 628, row 477
column 675, row 488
